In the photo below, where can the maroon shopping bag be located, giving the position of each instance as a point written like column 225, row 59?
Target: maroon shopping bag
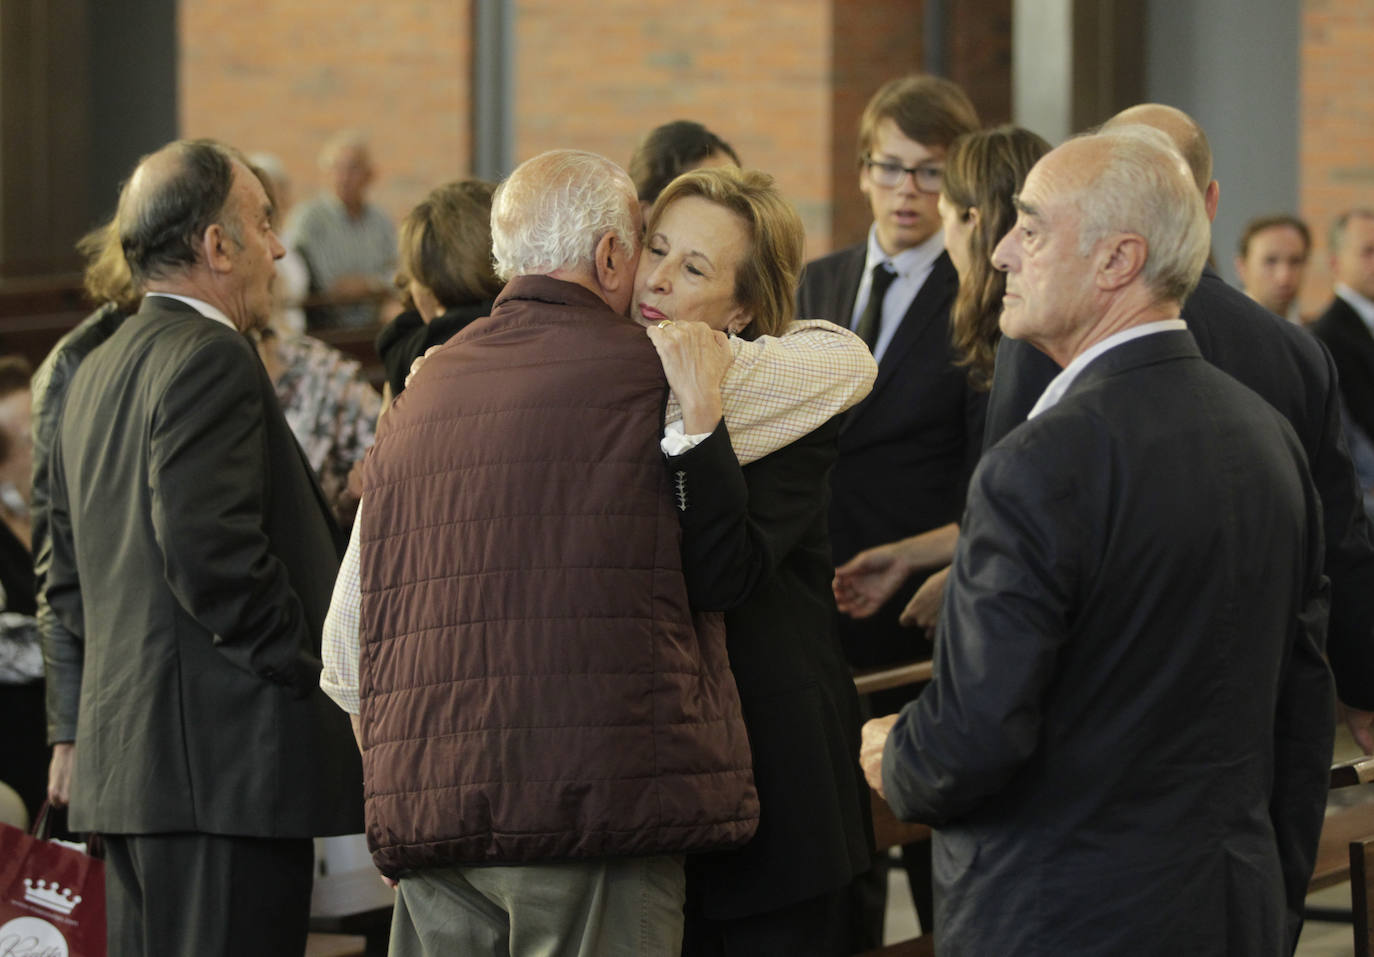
column 52, row 896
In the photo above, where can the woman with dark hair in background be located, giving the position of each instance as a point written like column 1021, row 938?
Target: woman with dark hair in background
column 671, row 150
column 445, row 271
column 983, row 171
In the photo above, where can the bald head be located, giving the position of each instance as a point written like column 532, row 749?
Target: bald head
column 173, row 197
column 1188, row 138
column 1111, row 232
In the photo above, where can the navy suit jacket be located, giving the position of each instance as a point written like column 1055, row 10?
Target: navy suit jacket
column 1126, row 740
column 1293, row 373
column 906, row 451
column 1352, row 348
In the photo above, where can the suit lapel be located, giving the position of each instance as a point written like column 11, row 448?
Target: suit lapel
column 927, row 316
column 842, row 287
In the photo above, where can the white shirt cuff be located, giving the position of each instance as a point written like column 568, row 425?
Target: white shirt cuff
column 675, row 441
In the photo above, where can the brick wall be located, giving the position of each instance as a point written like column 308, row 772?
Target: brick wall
column 1336, row 155
column 784, row 81
column 756, row 73
column 283, row 75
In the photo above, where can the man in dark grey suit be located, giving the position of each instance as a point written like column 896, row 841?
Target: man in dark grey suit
column 1346, row 324
column 1127, row 733
column 193, row 558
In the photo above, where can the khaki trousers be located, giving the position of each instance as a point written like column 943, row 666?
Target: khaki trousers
column 616, row 907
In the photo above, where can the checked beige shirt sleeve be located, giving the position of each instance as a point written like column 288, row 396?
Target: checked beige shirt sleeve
column 780, row 388
column 342, row 628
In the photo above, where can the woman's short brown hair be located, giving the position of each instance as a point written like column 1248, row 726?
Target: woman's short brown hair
column 766, row 279
column 445, row 244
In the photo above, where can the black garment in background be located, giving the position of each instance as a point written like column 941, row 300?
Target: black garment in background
column 61, row 650
column 24, row 739
column 755, row 545
column 1291, row 371
column 405, row 338
column 170, row 895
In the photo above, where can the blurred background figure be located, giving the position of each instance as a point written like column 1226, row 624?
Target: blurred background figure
column 671, row 150
column 1271, row 260
column 23, row 741
column 293, row 275
column 328, row 402
column 445, row 272
column 348, row 244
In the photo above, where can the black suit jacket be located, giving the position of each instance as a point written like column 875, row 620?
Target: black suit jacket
column 1352, row 348
column 906, row 451
column 193, row 559
column 1293, row 373
column 755, row 546
column 1125, row 744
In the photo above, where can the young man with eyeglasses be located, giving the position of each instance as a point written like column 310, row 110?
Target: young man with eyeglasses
column 906, row 452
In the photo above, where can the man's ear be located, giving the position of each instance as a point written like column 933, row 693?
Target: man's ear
column 612, row 263
column 1210, row 198
column 214, row 246
column 1123, row 259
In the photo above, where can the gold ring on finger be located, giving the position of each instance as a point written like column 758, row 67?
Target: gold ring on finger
column 664, row 323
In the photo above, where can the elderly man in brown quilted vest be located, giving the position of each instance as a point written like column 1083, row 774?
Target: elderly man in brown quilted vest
column 546, row 726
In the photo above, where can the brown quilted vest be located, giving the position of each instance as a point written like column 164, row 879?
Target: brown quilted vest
column 534, row 686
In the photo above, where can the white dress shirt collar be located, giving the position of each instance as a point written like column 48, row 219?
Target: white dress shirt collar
column 1061, row 383
column 1362, row 306
column 200, row 306
column 917, row 259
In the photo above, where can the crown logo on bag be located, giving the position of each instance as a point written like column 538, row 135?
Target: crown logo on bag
column 51, row 895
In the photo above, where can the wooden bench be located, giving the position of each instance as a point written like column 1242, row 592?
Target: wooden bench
column 888, row 831
column 335, row 945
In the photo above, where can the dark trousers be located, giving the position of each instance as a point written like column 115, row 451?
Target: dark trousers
column 819, row 927
column 174, row 895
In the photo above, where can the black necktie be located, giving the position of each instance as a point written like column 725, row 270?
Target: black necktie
column 871, row 319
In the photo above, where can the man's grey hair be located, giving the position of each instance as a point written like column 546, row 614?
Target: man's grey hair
column 1145, row 186
column 163, row 216
column 1336, row 236
column 553, row 210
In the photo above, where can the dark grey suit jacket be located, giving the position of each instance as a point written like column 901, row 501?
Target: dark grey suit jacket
column 193, row 556
column 1292, row 372
column 1126, row 739
column 906, row 451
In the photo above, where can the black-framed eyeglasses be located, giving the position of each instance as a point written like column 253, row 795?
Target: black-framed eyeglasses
column 927, row 176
